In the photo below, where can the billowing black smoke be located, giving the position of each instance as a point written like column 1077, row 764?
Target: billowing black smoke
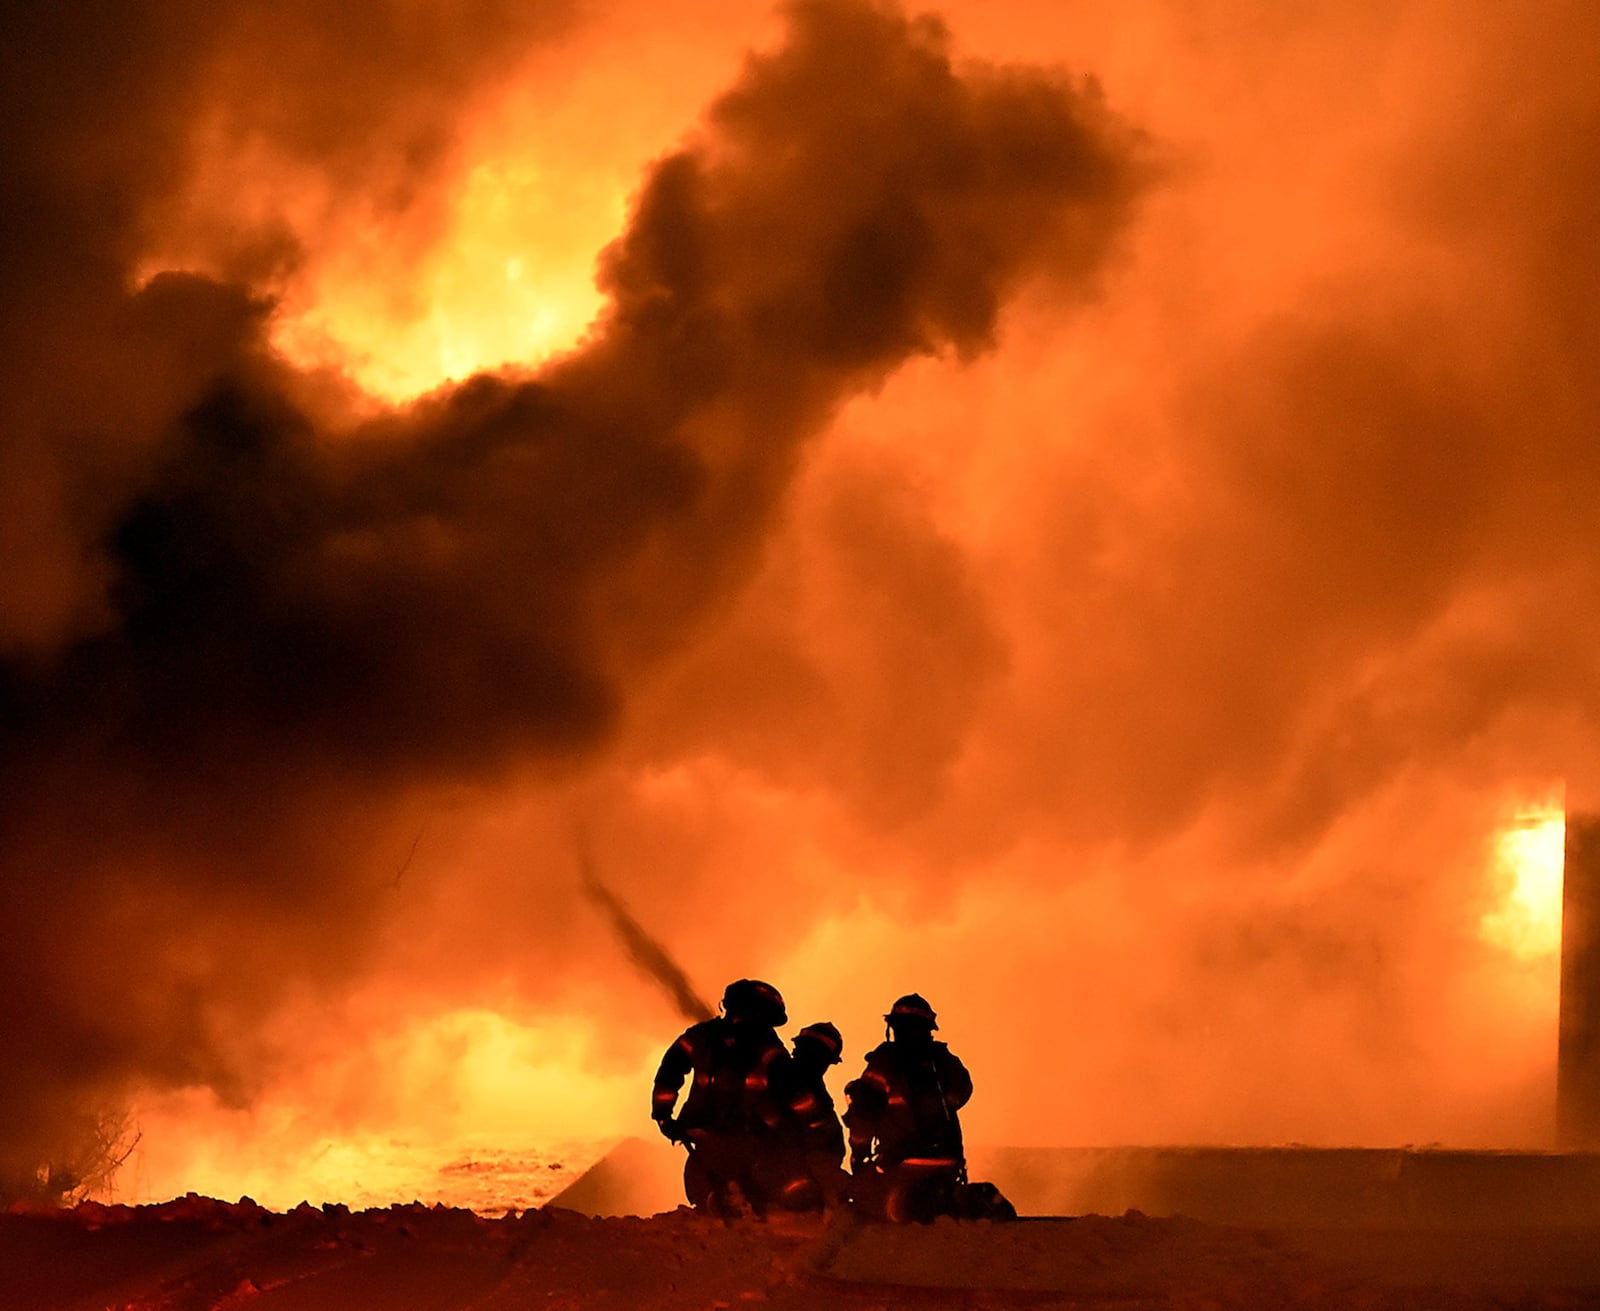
column 234, row 633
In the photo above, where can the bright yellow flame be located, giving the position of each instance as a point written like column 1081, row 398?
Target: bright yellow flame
column 512, row 282
column 467, row 1107
column 1527, row 868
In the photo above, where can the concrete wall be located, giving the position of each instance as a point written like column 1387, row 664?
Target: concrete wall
column 1256, row 1186
column 1301, row 1185
column 1578, row 1063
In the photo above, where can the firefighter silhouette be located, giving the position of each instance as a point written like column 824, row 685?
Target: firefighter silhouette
column 733, row 1119
column 906, row 1153
column 811, row 1151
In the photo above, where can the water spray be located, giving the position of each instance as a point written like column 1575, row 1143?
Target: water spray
column 643, row 949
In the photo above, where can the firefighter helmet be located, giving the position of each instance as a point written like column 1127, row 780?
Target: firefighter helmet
column 825, row 1036
column 751, row 999
column 912, row 1009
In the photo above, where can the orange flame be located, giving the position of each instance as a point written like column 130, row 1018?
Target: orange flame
column 1527, row 868
column 466, row 1107
column 510, row 283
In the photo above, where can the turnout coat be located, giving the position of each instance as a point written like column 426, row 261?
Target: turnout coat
column 905, row 1105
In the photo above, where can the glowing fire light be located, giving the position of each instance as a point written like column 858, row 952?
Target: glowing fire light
column 512, row 282
column 1527, row 868
column 466, row 1107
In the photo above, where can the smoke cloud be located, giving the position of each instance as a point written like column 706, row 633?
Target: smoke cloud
column 243, row 623
column 1120, row 604
column 1148, row 693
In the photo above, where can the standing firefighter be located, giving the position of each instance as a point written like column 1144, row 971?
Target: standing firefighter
column 733, row 1115
column 905, row 1132
column 812, row 1151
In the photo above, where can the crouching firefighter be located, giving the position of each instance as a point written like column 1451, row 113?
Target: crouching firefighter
column 732, row 1117
column 811, row 1153
column 906, row 1154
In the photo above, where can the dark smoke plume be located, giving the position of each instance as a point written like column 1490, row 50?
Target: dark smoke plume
column 237, row 633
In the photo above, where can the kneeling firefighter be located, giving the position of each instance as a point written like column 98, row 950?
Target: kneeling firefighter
column 812, row 1149
column 733, row 1116
column 907, row 1158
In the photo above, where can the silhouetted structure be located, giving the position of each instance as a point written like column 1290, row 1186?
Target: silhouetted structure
column 906, row 1154
column 733, row 1116
column 1578, row 1061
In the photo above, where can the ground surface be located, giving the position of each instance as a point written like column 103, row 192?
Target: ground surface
column 199, row 1255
